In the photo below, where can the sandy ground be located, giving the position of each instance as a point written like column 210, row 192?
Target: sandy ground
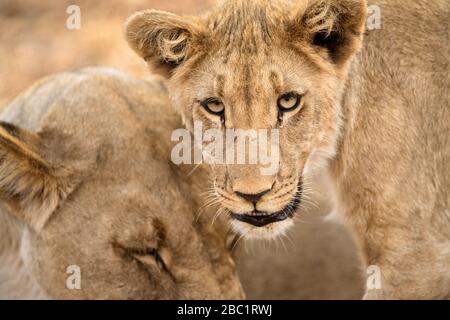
column 318, row 261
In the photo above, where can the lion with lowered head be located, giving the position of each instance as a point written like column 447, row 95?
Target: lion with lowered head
column 370, row 110
column 86, row 184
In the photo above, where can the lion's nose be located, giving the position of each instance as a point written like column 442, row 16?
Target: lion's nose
column 252, row 197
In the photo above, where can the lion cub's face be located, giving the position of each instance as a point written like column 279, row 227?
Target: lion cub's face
column 262, row 91
column 259, row 65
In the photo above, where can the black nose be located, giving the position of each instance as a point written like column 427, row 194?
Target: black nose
column 252, row 197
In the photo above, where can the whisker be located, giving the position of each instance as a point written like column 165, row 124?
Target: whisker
column 219, row 212
column 239, row 239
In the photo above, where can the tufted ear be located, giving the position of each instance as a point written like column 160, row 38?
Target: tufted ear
column 333, row 26
column 30, row 188
column 163, row 39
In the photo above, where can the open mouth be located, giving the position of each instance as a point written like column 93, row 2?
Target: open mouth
column 261, row 219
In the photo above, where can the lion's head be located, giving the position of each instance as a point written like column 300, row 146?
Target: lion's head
column 259, row 64
column 91, row 181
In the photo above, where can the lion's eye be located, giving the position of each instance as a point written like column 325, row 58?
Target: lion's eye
column 289, row 101
column 149, row 257
column 213, row 106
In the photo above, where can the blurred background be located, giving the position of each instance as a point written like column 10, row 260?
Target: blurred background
column 34, row 40
column 317, row 260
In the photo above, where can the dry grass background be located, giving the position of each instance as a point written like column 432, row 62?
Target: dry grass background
column 320, row 260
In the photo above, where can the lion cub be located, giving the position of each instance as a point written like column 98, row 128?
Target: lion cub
column 373, row 113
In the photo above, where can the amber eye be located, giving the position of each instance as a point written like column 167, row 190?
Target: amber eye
column 213, row 106
column 289, row 101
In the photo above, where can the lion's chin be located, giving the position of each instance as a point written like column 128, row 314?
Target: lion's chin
column 269, row 231
column 267, row 225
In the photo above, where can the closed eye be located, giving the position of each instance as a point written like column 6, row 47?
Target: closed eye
column 150, row 256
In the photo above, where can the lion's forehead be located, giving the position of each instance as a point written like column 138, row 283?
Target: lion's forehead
column 246, row 26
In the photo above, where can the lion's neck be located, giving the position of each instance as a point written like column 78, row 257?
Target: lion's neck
column 350, row 102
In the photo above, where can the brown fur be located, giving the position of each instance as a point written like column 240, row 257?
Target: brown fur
column 377, row 120
column 87, row 181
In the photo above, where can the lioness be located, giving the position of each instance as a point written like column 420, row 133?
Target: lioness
column 88, row 194
column 372, row 112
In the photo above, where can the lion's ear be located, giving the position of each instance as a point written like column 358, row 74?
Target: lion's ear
column 163, row 39
column 30, row 187
column 336, row 26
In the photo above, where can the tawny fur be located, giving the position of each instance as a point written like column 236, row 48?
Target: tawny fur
column 375, row 115
column 316, row 266
column 86, row 180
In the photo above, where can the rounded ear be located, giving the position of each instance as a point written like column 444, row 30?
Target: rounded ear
column 336, row 26
column 30, row 187
column 163, row 39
